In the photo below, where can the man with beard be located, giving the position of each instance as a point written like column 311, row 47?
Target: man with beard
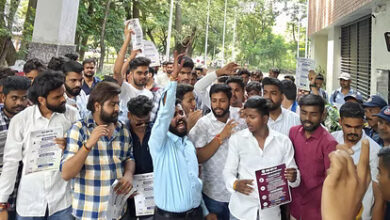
column 179, row 194
column 312, row 144
column 15, row 100
column 97, row 153
column 210, row 136
column 73, row 80
column 90, row 80
column 252, row 149
column 352, row 134
column 43, row 194
column 162, row 79
column 280, row 119
column 371, row 107
column 185, row 93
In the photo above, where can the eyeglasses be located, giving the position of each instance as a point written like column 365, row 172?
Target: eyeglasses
column 142, row 124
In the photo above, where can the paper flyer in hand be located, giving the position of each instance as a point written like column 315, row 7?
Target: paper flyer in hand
column 137, row 36
column 273, row 186
column 144, row 199
column 117, row 202
column 304, row 65
column 43, row 152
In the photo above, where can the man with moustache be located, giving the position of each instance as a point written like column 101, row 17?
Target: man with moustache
column 73, row 81
column 238, row 91
column 210, row 136
column 352, row 134
column 373, row 106
column 90, row 80
column 312, row 144
column 179, row 194
column 44, row 194
column 280, row 119
column 184, row 76
column 163, row 79
column 97, row 153
column 15, row 100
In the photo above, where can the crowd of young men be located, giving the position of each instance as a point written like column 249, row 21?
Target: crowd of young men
column 202, row 136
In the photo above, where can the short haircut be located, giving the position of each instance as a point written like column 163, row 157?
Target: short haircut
column 289, row 89
column 102, row 92
column 290, row 77
column 275, row 70
column 222, row 79
column 72, row 56
column 6, row 72
column 193, row 73
column 188, row 63
column 34, row 64
column 257, row 72
column 44, row 83
column 13, row 83
column 89, row 60
column 259, row 103
column 320, row 77
column 384, row 153
column 56, row 63
column 312, row 100
column 254, row 85
column 236, row 79
column 244, row 72
column 136, row 62
column 72, row 66
column 152, row 71
column 268, row 81
column 351, row 110
column 183, row 89
column 221, row 88
column 140, row 106
column 108, row 78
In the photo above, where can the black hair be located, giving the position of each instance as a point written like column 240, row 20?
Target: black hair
column 275, row 70
column 257, row 72
column 140, row 106
column 253, row 85
column 72, row 56
column 352, row 110
column 13, row 83
column 6, row 72
column 177, row 102
column 290, row 77
column 273, row 82
column 72, row 66
column 44, row 83
column 320, row 77
column 183, row 89
column 222, row 79
column 34, row 64
column 243, row 72
column 384, row 153
column 221, row 88
column 136, row 62
column 259, row 103
column 312, row 100
column 289, row 89
column 236, row 79
column 152, row 71
column 56, row 63
column 89, row 60
column 188, row 63
column 108, row 78
column 102, row 92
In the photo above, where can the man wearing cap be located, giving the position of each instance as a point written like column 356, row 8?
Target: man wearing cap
column 337, row 97
column 354, row 98
column 371, row 107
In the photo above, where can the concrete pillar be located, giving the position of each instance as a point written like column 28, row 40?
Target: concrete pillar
column 334, row 59
column 54, row 29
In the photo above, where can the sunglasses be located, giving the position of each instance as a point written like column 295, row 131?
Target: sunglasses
column 142, row 124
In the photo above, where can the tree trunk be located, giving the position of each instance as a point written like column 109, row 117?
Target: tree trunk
column 14, row 4
column 135, row 9
column 102, row 34
column 28, row 28
column 178, row 25
column 2, row 13
column 82, row 46
column 7, row 52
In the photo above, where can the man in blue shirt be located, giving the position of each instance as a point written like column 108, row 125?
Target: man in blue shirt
column 373, row 106
column 178, row 193
column 338, row 95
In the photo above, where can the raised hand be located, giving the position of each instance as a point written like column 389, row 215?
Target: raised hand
column 228, row 69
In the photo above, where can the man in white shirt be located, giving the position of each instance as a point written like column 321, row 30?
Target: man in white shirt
column 352, row 134
column 210, row 136
column 74, row 95
column 252, row 149
column 131, row 76
column 280, row 119
column 44, row 194
column 162, row 79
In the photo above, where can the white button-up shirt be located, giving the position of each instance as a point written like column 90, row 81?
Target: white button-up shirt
column 202, row 134
column 128, row 92
column 79, row 102
column 286, row 120
column 368, row 199
column 40, row 190
column 244, row 158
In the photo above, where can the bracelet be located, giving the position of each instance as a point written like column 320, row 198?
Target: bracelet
column 235, row 185
column 86, row 148
column 219, row 139
column 4, row 206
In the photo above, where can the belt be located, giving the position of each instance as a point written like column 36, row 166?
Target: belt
column 166, row 214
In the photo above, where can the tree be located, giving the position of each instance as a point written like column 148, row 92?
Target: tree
column 103, row 32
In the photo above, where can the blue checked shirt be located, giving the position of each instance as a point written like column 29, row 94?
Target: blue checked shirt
column 104, row 164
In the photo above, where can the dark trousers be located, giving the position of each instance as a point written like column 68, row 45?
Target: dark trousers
column 221, row 209
column 196, row 214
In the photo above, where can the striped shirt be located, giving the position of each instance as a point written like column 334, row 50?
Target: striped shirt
column 104, row 164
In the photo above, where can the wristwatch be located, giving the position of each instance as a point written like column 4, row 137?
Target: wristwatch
column 3, row 206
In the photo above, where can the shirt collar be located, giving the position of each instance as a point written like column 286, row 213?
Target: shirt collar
column 38, row 114
column 175, row 138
